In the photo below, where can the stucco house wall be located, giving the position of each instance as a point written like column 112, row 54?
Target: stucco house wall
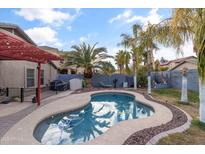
column 173, row 63
column 13, row 73
column 188, row 65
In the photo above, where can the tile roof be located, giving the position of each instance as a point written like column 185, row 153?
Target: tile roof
column 179, row 60
column 14, row 26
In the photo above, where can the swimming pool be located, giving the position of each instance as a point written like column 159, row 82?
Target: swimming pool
column 103, row 111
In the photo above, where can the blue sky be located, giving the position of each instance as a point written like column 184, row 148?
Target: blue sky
column 62, row 28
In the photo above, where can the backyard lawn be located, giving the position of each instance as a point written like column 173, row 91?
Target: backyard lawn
column 196, row 133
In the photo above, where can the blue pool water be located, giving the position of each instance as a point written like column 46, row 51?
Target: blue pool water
column 103, row 111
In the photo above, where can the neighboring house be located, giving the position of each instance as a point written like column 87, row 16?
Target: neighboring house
column 16, row 74
column 177, row 64
column 72, row 69
column 56, row 64
column 60, row 65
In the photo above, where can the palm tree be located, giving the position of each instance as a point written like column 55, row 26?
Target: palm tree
column 136, row 51
column 148, row 42
column 186, row 25
column 127, row 58
column 125, row 43
column 88, row 57
column 107, row 68
column 122, row 60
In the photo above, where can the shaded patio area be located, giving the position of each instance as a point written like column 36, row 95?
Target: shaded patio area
column 13, row 47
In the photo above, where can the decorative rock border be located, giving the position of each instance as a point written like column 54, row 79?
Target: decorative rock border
column 180, row 122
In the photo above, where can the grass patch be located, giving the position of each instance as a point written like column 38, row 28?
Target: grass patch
column 173, row 97
column 196, row 133
column 192, row 95
column 199, row 124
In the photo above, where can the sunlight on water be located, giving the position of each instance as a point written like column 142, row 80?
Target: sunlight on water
column 103, row 111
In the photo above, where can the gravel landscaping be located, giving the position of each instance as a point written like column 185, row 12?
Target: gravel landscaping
column 142, row 137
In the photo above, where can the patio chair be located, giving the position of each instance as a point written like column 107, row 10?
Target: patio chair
column 104, row 85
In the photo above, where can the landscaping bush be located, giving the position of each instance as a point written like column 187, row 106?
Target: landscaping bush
column 142, row 77
column 164, row 68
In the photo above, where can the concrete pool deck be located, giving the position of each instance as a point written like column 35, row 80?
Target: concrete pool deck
column 13, row 114
column 14, row 107
column 22, row 132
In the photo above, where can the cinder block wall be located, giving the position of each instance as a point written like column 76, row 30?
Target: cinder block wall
column 174, row 78
column 192, row 79
column 108, row 80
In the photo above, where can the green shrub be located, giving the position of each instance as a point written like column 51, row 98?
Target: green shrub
column 164, row 68
column 142, row 77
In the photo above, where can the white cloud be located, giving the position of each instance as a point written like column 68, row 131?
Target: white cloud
column 153, row 17
column 72, row 41
column 128, row 16
column 58, row 44
column 88, row 37
column 123, row 16
column 44, row 36
column 83, row 39
column 78, row 10
column 171, row 53
column 46, row 15
column 69, row 28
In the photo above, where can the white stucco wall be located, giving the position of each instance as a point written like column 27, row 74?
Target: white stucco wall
column 13, row 73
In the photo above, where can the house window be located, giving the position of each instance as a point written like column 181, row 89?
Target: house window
column 42, row 77
column 30, row 77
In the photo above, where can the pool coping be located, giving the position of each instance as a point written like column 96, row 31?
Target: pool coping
column 22, row 132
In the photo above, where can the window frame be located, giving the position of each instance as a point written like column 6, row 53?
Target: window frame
column 42, row 78
column 30, row 78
